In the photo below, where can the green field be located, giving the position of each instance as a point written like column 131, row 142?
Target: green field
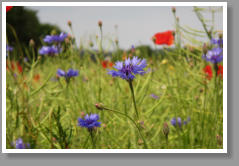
column 43, row 108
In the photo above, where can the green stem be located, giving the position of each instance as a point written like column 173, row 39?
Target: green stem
column 131, row 119
column 200, row 17
column 132, row 92
column 92, row 138
column 101, row 39
column 204, row 108
column 99, row 82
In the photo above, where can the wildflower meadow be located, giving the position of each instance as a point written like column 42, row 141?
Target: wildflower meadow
column 60, row 95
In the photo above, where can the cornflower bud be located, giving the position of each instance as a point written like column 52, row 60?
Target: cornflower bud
column 204, row 48
column 165, row 129
column 91, row 44
column 154, row 39
column 31, row 43
column 116, row 41
column 100, row 23
column 69, row 23
column 219, row 140
column 173, row 9
column 220, row 35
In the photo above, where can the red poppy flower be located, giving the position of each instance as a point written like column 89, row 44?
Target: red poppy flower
column 111, row 64
column 36, row 77
column 164, row 38
column 8, row 8
column 105, row 64
column 208, row 71
column 220, row 71
column 12, row 66
column 19, row 67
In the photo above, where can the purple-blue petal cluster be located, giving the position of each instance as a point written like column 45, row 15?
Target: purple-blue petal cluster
column 178, row 122
column 214, row 55
column 154, row 96
column 70, row 73
column 21, row 145
column 49, row 50
column 218, row 42
column 9, row 49
column 55, row 38
column 129, row 68
column 89, row 121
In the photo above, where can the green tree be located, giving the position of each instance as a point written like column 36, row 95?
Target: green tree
column 27, row 26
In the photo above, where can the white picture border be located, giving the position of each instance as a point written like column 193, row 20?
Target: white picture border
column 222, row 4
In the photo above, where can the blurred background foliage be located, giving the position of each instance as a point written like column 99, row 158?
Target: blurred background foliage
column 24, row 25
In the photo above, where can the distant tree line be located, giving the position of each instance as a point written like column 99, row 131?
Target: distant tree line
column 24, row 25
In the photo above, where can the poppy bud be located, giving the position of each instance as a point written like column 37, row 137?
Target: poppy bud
column 91, row 44
column 104, row 125
column 196, row 98
column 141, row 123
column 173, row 33
column 201, row 90
column 220, row 35
column 69, row 23
column 204, row 48
column 210, row 32
column 140, row 142
column 173, row 9
column 154, row 39
column 31, row 43
column 82, row 114
column 219, row 140
column 53, row 139
column 100, row 23
column 99, row 106
column 116, row 41
column 165, row 129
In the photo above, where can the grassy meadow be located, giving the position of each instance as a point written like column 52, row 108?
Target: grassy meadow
column 43, row 108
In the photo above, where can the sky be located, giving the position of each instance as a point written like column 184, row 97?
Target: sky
column 136, row 25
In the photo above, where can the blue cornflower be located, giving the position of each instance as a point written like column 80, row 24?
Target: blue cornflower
column 55, row 38
column 218, row 42
column 9, row 49
column 50, row 38
column 179, row 121
column 21, row 145
column 62, row 37
column 186, row 121
column 70, row 73
column 176, row 122
column 89, row 121
column 49, row 50
column 215, row 55
column 154, row 96
column 129, row 68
